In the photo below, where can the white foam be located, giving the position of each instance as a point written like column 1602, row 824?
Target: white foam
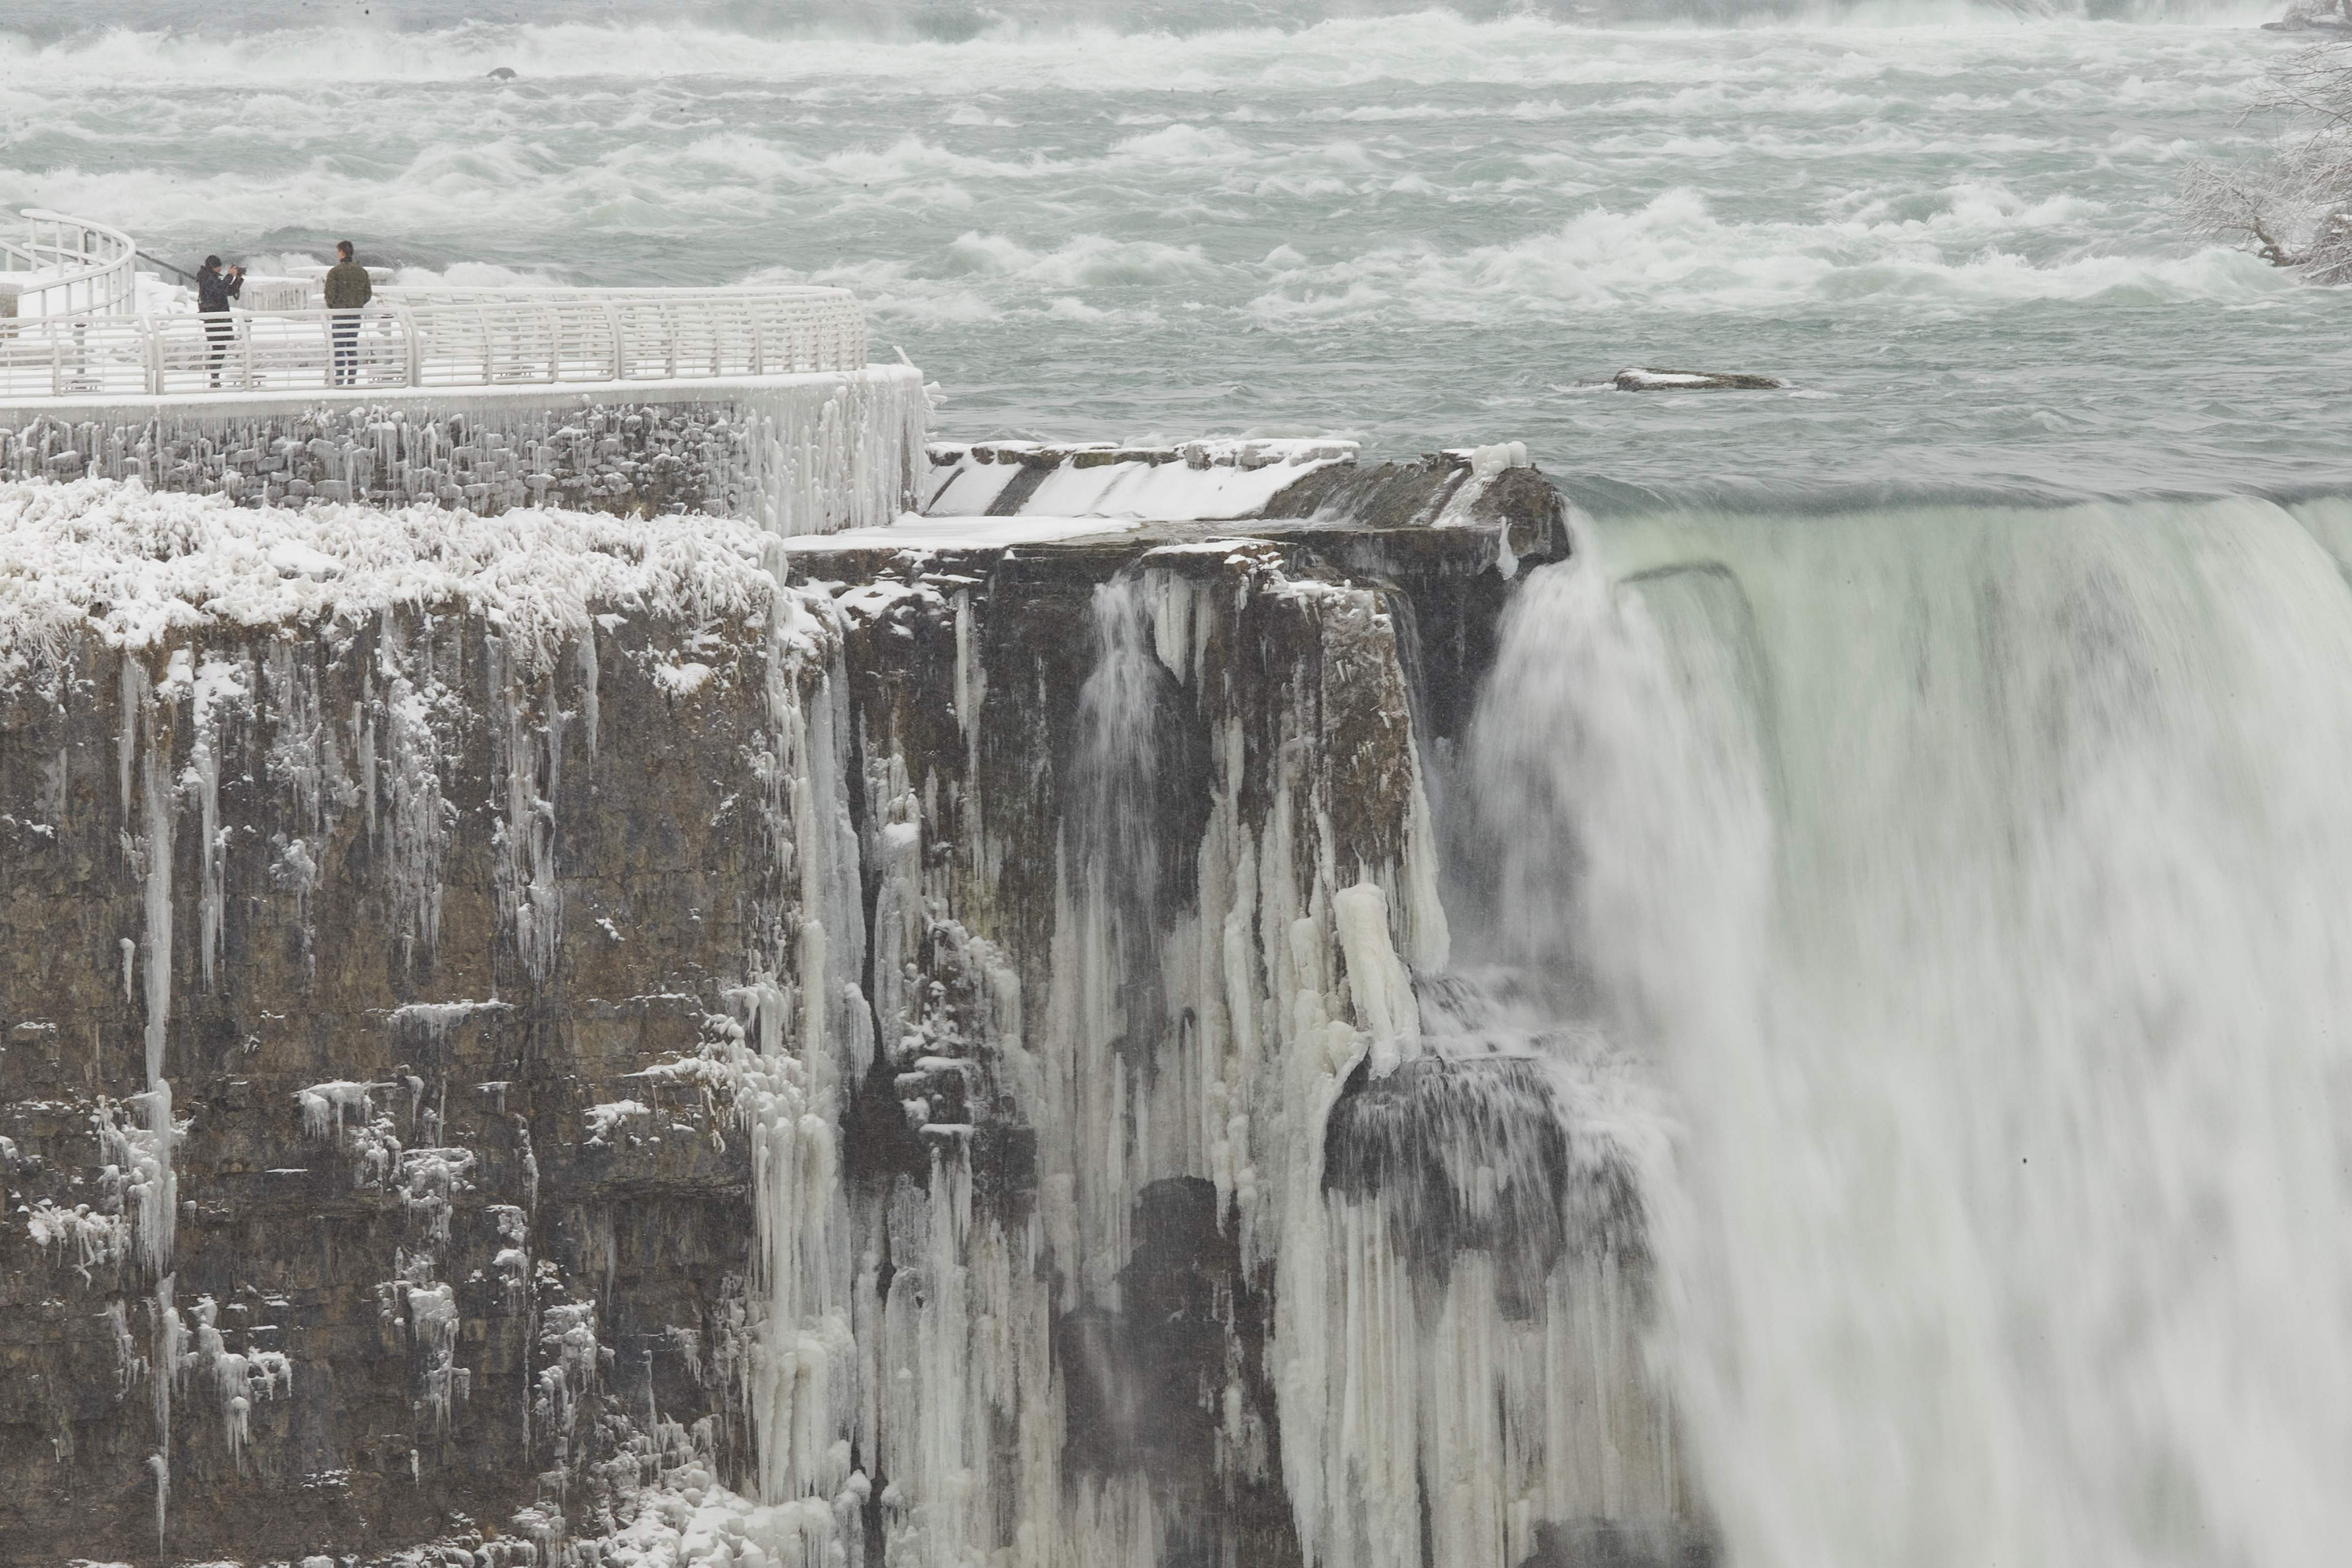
column 1674, row 254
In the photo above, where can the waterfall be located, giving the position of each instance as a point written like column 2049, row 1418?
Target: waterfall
column 1977, row 882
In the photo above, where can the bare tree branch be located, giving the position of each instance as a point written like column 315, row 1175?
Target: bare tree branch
column 2293, row 206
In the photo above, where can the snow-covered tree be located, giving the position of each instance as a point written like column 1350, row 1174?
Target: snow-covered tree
column 2292, row 207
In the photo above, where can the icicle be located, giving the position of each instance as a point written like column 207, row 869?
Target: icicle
column 364, row 746
column 1385, row 1008
column 134, row 708
column 971, row 673
column 160, row 1468
column 529, row 895
column 158, row 1215
column 586, row 652
column 217, row 683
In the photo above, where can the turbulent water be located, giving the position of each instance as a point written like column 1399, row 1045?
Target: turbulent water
column 1949, row 226
column 1978, row 879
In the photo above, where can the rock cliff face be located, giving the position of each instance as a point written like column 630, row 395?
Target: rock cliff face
column 603, row 1038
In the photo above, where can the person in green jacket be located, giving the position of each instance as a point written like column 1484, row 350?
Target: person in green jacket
column 347, row 289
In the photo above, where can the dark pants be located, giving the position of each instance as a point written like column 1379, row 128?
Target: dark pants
column 219, row 328
column 347, row 347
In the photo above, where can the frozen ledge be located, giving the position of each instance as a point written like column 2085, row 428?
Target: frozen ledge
column 1194, row 481
column 914, row 531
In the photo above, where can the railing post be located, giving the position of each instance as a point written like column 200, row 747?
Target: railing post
column 620, row 349
column 413, row 355
column 151, row 351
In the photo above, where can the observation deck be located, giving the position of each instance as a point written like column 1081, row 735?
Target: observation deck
column 71, row 330
column 755, row 402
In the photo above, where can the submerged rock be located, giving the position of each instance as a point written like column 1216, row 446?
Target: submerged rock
column 1637, row 379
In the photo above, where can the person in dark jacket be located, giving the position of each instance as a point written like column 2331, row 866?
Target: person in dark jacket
column 347, row 289
column 214, row 290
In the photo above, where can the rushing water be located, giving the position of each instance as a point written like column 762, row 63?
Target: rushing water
column 1978, row 879
column 1952, row 233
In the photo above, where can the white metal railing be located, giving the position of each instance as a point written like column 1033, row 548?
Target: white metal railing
column 67, row 267
column 524, row 339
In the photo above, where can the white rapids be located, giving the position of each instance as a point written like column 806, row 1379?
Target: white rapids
column 1946, row 224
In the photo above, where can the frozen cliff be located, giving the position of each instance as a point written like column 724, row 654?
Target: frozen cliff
column 559, row 1037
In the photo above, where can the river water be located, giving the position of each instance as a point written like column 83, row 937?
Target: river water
column 1950, row 227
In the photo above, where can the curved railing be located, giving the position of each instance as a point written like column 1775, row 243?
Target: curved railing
column 527, row 339
column 67, row 267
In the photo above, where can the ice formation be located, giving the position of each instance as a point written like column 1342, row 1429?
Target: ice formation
column 144, row 572
column 1216, row 980
column 1066, row 978
column 805, row 454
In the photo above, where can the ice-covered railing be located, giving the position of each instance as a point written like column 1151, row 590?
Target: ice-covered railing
column 65, row 268
column 518, row 339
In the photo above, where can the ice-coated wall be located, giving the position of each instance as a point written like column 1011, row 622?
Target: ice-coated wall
column 1273, row 1264
column 527, row 1033
column 802, row 454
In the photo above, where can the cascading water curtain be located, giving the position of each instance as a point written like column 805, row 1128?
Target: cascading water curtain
column 1982, row 883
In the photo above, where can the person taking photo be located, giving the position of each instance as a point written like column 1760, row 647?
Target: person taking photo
column 214, row 290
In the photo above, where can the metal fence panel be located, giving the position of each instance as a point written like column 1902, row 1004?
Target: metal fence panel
column 486, row 339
